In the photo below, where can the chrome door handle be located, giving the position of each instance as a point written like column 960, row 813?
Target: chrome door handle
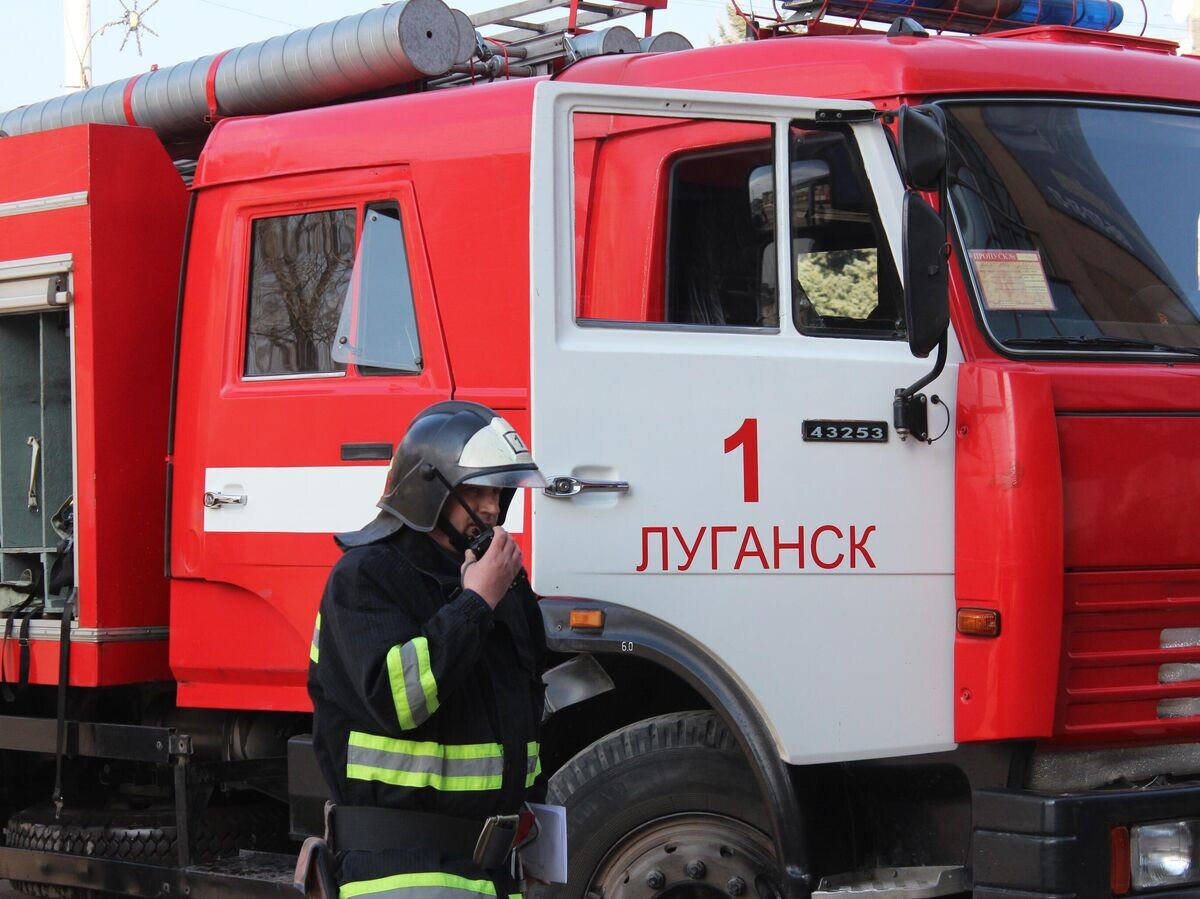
column 217, row 500
column 562, row 488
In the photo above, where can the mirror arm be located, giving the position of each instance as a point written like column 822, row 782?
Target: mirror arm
column 910, row 411
column 939, row 364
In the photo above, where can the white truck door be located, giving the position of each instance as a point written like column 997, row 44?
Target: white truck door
column 745, row 397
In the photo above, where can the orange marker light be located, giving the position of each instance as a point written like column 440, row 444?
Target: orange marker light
column 587, row 620
column 1119, row 864
column 979, row 622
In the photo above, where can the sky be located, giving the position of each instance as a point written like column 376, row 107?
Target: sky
column 31, row 32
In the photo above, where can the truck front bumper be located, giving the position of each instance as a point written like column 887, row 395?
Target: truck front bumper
column 1062, row 845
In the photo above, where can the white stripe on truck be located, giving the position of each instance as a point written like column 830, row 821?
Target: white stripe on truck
column 313, row 500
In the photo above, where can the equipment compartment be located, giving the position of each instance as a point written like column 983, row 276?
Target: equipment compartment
column 91, row 232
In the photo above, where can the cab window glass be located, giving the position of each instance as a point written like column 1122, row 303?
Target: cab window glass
column 721, row 218
column 377, row 330
column 666, row 234
column 300, row 267
column 844, row 279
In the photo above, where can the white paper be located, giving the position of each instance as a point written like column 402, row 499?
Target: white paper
column 546, row 857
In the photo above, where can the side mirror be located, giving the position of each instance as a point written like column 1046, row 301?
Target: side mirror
column 926, row 275
column 922, row 140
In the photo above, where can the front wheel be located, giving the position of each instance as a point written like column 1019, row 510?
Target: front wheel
column 665, row 808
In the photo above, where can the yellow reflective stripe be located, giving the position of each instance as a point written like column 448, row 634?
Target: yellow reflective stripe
column 314, row 651
column 414, row 688
column 417, row 779
column 428, row 681
column 408, row 881
column 533, row 763
column 408, row 763
column 413, row 747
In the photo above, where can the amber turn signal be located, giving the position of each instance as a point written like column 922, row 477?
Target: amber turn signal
column 587, row 619
column 979, row 622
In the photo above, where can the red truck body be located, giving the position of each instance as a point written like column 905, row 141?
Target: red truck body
column 1076, row 482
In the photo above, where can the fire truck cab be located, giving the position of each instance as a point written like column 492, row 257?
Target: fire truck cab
column 884, row 539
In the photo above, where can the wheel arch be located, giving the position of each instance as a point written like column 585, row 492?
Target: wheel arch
column 630, row 632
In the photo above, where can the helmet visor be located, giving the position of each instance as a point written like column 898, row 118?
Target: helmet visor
column 510, row 478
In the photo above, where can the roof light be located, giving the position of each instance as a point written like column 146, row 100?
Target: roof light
column 1094, row 15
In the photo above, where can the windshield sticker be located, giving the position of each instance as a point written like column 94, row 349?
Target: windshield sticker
column 1012, row 280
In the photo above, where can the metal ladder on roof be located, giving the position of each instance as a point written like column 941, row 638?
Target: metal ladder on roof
column 534, row 44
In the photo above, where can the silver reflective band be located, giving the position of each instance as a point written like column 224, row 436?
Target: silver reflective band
column 1165, row 854
column 414, row 688
column 408, row 763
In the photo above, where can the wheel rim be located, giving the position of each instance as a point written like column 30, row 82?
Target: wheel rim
column 687, row 856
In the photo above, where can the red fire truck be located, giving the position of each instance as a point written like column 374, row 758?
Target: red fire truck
column 886, row 543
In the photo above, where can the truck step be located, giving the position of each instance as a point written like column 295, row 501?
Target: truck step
column 911, row 883
column 266, row 866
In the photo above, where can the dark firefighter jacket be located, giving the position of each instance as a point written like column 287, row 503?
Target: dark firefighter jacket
column 424, row 699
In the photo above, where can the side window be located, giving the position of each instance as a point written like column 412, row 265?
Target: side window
column 845, row 282
column 667, row 228
column 721, row 219
column 676, row 224
column 377, row 330
column 300, row 269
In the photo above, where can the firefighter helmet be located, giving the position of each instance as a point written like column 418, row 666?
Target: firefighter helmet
column 447, row 445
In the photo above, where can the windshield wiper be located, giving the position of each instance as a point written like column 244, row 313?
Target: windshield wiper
column 1119, row 343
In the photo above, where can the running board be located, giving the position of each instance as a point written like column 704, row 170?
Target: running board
column 249, row 875
column 909, row 883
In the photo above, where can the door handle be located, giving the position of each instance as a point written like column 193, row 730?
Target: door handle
column 35, row 454
column 564, row 487
column 218, row 500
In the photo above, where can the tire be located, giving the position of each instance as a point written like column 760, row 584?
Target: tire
column 146, row 836
column 646, row 803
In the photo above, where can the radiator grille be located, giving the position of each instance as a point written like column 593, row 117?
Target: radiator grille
column 1131, row 657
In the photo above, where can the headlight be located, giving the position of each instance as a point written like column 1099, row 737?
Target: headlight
column 1165, row 854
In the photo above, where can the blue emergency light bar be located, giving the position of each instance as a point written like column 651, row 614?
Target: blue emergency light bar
column 971, row 16
column 1094, row 15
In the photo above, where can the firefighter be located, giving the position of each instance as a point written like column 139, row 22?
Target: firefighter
column 425, row 670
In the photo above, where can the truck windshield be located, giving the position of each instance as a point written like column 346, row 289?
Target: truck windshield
column 1079, row 224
